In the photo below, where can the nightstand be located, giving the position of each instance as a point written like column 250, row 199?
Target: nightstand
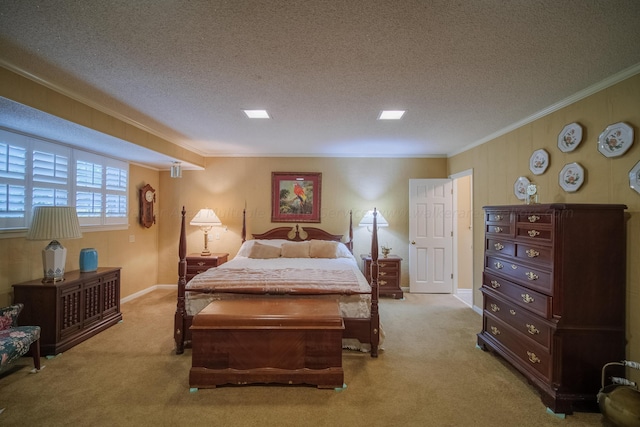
column 197, row 263
column 389, row 269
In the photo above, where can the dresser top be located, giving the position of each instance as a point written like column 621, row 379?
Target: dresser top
column 558, row 206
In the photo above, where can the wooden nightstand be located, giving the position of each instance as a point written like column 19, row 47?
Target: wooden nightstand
column 197, row 263
column 389, row 275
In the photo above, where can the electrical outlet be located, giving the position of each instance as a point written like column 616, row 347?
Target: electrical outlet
column 217, row 236
column 132, row 238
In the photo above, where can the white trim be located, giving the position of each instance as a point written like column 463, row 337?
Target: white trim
column 608, row 82
column 146, row 291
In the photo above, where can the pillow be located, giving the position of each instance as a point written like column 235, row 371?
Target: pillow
column 295, row 250
column 260, row 251
column 343, row 252
column 323, row 249
column 245, row 249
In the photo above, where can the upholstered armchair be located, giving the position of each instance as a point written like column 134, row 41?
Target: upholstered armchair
column 16, row 341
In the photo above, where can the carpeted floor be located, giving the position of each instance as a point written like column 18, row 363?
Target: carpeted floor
column 429, row 374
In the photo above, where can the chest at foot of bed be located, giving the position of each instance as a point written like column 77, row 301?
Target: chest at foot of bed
column 283, row 340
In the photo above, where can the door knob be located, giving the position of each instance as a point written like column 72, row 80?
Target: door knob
column 413, row 242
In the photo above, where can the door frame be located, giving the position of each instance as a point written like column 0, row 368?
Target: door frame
column 456, row 225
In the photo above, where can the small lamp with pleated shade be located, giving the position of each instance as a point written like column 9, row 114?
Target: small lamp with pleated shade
column 54, row 223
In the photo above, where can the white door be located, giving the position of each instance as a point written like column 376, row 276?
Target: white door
column 430, row 236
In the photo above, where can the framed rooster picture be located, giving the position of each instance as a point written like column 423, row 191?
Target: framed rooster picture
column 295, row 196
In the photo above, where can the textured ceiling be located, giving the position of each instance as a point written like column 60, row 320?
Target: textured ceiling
column 463, row 70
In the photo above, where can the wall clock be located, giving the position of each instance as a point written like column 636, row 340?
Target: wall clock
column 147, row 199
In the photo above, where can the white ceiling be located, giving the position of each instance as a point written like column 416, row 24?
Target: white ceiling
column 465, row 71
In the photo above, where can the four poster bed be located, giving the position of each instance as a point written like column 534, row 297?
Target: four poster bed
column 287, row 262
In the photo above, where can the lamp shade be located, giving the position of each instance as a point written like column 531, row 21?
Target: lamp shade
column 367, row 220
column 206, row 218
column 53, row 223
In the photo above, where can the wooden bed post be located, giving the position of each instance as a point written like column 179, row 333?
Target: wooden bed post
column 375, row 315
column 180, row 324
column 244, row 225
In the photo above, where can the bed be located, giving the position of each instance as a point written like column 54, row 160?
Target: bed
column 256, row 271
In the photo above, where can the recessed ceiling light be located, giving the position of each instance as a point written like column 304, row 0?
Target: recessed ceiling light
column 257, row 114
column 391, row 114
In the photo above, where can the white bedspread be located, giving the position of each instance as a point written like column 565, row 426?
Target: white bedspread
column 336, row 278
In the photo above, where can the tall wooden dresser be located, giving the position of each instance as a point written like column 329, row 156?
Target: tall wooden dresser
column 554, row 296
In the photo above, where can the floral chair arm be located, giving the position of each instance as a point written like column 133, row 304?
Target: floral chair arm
column 9, row 316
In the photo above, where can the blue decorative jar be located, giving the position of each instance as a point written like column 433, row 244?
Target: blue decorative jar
column 88, row 260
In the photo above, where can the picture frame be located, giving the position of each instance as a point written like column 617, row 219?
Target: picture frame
column 295, row 196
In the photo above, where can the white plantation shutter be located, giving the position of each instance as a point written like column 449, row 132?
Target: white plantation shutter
column 50, row 174
column 13, row 180
column 35, row 172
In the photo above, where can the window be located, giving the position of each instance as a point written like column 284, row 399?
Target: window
column 35, row 172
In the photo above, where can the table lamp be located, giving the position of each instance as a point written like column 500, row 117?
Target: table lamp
column 206, row 219
column 54, row 223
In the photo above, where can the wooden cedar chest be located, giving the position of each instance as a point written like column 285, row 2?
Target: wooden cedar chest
column 267, row 340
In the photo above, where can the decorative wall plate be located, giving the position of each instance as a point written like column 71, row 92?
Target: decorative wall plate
column 520, row 187
column 571, row 177
column 615, row 140
column 634, row 177
column 539, row 162
column 570, row 137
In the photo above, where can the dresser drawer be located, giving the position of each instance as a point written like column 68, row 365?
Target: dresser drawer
column 540, row 233
column 535, row 278
column 500, row 246
column 521, row 320
column 534, row 217
column 533, row 301
column 527, row 350
column 538, row 254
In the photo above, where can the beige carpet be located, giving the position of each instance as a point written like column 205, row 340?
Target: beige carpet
column 429, row 374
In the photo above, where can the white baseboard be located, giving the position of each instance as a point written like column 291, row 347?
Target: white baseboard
column 146, row 291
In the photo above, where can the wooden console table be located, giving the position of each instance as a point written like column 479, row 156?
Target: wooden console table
column 73, row 310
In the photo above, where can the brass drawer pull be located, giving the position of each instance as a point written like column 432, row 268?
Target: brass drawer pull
column 382, row 264
column 382, row 282
column 495, row 331
column 498, row 265
column 532, row 253
column 499, row 217
column 527, row 298
column 497, row 229
column 495, row 284
column 382, row 273
column 533, row 233
column 532, row 329
column 514, row 267
column 495, row 308
column 512, row 312
column 201, row 263
column 531, row 275
column 533, row 218
column 498, row 246
column 532, row 357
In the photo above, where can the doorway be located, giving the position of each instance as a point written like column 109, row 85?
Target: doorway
column 463, row 236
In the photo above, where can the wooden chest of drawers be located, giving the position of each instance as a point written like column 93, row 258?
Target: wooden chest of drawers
column 389, row 275
column 554, row 296
column 197, row 263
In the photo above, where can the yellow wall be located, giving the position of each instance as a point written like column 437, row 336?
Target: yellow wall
column 498, row 163
column 227, row 185
column 21, row 260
